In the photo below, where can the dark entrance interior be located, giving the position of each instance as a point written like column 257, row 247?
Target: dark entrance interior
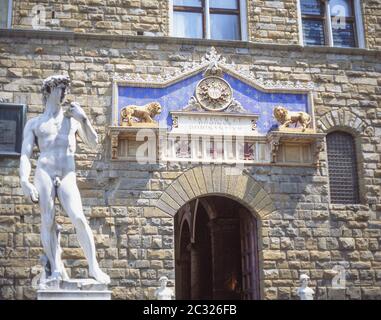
column 216, row 250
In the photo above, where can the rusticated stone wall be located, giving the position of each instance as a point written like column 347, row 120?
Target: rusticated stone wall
column 372, row 23
column 273, row 21
column 129, row 17
column 134, row 238
column 268, row 21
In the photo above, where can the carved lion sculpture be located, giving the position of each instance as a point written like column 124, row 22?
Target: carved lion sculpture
column 286, row 117
column 144, row 113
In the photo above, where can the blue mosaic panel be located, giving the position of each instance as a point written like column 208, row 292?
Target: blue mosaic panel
column 176, row 97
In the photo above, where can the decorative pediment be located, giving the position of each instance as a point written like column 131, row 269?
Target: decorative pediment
column 212, row 84
column 215, row 111
column 211, row 58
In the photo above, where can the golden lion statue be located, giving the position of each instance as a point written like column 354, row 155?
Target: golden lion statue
column 286, row 117
column 144, row 113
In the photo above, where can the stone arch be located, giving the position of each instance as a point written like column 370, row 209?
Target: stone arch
column 212, row 180
column 346, row 120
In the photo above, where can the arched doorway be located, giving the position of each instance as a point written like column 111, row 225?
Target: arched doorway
column 216, row 250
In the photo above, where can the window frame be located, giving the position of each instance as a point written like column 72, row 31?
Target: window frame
column 233, row 12
column 20, row 124
column 10, row 8
column 355, row 19
column 207, row 11
column 192, row 9
column 9, row 15
column 321, row 18
column 357, row 165
column 350, row 19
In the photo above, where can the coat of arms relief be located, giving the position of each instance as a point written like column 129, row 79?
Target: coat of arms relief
column 213, row 93
column 271, row 132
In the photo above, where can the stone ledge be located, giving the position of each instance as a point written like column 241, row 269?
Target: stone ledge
column 344, row 207
column 75, row 289
column 73, row 295
column 69, row 35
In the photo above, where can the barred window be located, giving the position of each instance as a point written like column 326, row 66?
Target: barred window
column 342, row 168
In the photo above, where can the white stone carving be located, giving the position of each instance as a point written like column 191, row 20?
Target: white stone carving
column 211, row 123
column 163, row 292
column 214, row 93
column 193, row 105
column 74, row 289
column 55, row 131
column 211, row 58
column 305, row 292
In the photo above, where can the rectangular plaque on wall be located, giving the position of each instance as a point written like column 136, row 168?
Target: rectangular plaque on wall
column 12, row 120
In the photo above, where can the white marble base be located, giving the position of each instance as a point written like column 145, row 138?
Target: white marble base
column 74, row 289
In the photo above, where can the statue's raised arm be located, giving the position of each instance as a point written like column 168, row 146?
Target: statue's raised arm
column 85, row 130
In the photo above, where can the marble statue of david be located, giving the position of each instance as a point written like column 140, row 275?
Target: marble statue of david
column 54, row 132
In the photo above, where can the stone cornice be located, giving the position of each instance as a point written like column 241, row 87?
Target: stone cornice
column 68, row 35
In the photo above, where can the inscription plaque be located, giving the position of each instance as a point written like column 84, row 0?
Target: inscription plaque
column 214, row 123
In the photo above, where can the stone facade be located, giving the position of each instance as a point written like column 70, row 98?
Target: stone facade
column 273, row 21
column 136, row 17
column 129, row 206
column 268, row 21
column 372, row 18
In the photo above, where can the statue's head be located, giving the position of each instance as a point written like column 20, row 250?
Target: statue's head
column 304, row 280
column 279, row 113
column 163, row 281
column 154, row 108
column 55, row 87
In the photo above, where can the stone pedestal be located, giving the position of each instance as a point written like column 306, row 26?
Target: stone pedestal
column 74, row 289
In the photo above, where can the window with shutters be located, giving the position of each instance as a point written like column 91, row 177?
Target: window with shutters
column 342, row 168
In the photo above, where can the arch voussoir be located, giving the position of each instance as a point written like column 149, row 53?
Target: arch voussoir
column 239, row 186
column 208, row 179
column 266, row 211
column 165, row 197
column 200, row 180
column 179, row 189
column 186, row 186
column 344, row 119
column 192, row 182
column 172, row 192
column 166, row 208
column 203, row 180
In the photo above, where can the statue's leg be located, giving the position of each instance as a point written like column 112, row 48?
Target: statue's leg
column 148, row 119
column 129, row 117
column 286, row 123
column 46, row 190
column 70, row 199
